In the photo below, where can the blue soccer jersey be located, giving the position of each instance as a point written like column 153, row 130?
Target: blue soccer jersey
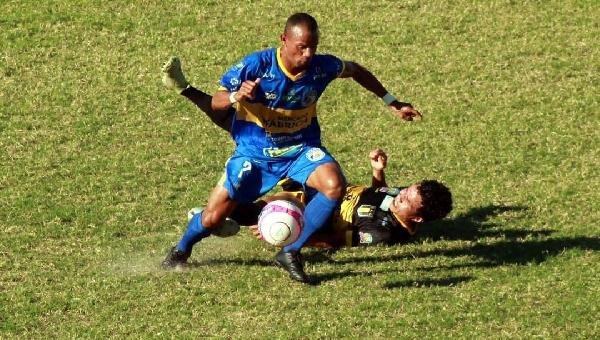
column 282, row 118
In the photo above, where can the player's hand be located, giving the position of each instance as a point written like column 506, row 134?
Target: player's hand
column 255, row 232
column 405, row 111
column 378, row 159
column 248, row 90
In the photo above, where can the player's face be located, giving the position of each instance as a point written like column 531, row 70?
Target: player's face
column 407, row 204
column 299, row 46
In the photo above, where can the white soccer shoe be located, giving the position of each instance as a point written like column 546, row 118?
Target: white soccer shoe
column 172, row 75
column 229, row 227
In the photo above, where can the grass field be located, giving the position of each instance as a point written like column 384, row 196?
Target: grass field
column 99, row 164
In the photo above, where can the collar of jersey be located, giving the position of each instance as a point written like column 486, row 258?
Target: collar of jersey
column 411, row 228
column 385, row 206
column 284, row 70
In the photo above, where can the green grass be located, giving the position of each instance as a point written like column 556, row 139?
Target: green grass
column 99, row 164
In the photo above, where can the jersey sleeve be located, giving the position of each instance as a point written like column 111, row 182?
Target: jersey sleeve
column 332, row 65
column 245, row 69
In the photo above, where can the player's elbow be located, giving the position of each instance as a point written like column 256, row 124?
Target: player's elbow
column 355, row 70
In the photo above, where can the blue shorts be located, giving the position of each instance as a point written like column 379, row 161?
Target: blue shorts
column 247, row 178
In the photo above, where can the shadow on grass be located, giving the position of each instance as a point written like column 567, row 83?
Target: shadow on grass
column 518, row 252
column 474, row 224
column 234, row 261
column 425, row 283
column 516, row 246
column 313, row 256
column 319, row 278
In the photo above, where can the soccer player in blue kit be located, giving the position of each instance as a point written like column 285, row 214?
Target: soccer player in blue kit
column 274, row 93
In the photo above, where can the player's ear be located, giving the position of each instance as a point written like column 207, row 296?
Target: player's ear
column 282, row 37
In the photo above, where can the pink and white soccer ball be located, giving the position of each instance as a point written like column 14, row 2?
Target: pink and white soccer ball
column 280, row 222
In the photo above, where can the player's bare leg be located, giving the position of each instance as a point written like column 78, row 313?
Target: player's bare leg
column 218, row 208
column 328, row 180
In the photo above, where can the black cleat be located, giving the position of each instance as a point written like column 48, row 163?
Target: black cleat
column 175, row 258
column 292, row 262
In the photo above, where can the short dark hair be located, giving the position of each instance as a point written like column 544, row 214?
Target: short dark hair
column 436, row 200
column 303, row 19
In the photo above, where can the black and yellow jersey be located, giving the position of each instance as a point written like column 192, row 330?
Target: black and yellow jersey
column 365, row 219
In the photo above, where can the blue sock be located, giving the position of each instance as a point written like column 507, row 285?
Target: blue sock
column 193, row 234
column 316, row 214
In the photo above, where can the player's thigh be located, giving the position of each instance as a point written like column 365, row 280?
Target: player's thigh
column 246, row 179
column 316, row 168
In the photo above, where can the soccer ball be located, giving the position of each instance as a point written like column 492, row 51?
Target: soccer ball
column 280, row 222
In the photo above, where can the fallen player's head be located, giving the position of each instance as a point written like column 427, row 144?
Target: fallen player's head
column 422, row 202
column 436, row 200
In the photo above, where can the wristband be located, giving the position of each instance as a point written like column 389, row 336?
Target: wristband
column 232, row 99
column 388, row 98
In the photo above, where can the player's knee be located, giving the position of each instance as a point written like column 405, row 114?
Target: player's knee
column 334, row 188
column 211, row 219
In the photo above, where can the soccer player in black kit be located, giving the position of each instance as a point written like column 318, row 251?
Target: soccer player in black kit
column 367, row 216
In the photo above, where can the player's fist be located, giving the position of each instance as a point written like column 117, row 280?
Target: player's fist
column 378, row 159
column 248, row 90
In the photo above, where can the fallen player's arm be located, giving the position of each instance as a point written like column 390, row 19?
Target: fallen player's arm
column 378, row 179
column 378, row 160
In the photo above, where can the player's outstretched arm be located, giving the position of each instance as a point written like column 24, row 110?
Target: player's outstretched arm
column 367, row 80
column 378, row 160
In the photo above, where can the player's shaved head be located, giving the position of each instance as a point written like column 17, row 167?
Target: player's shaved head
column 299, row 42
column 301, row 20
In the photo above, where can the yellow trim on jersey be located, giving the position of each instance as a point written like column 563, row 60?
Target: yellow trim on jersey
column 276, row 120
column 342, row 221
column 349, row 202
column 284, row 70
column 412, row 230
column 299, row 75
